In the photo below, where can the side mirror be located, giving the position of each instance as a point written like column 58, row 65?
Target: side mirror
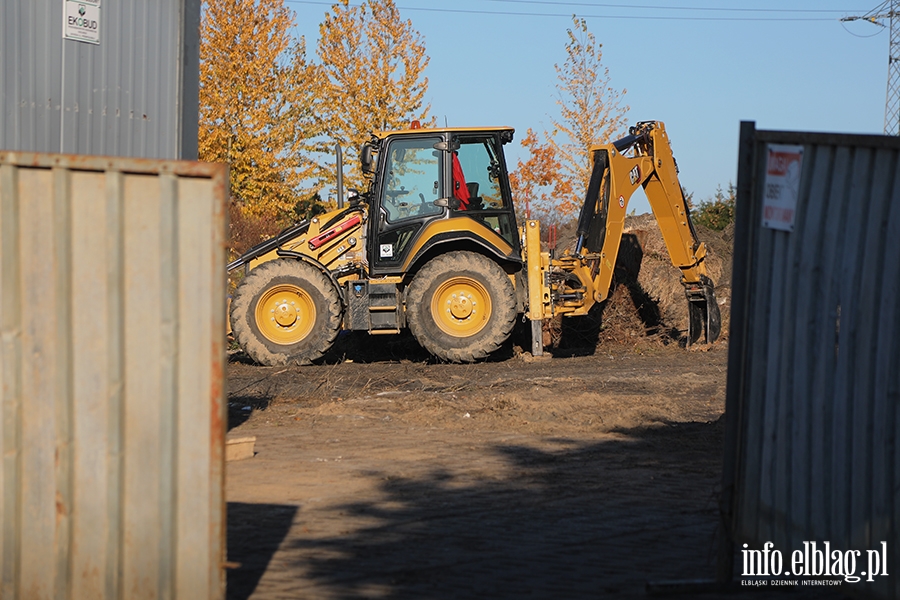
column 367, row 159
column 452, row 203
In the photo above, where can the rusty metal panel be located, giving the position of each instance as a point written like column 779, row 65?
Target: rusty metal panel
column 813, row 385
column 133, row 93
column 112, row 414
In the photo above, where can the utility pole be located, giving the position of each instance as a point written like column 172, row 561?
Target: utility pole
column 889, row 10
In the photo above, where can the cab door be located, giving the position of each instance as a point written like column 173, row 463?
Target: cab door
column 411, row 180
column 482, row 168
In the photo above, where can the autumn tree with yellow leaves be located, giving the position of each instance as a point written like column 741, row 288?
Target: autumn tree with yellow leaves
column 590, row 107
column 257, row 108
column 591, row 113
column 372, row 66
column 537, row 184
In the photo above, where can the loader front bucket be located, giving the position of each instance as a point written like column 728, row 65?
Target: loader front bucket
column 703, row 311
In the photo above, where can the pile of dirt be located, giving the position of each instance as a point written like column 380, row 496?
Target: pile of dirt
column 646, row 305
column 660, row 281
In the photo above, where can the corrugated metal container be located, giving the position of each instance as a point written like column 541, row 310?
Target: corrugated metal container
column 112, row 320
column 812, row 448
column 135, row 93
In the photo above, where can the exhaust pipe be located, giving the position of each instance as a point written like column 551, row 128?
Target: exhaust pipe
column 340, row 176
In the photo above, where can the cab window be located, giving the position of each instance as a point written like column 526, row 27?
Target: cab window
column 412, row 181
column 482, row 170
column 481, row 167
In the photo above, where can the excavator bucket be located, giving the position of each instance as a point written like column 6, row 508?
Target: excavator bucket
column 703, row 311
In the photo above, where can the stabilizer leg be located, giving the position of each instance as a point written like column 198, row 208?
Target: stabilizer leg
column 537, row 338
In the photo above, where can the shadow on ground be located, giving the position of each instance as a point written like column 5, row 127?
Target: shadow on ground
column 254, row 533
column 362, row 347
column 571, row 521
column 568, row 520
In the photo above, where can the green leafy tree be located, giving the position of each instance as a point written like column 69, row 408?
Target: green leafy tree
column 718, row 212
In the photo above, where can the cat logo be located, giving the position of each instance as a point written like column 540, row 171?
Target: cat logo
column 634, row 175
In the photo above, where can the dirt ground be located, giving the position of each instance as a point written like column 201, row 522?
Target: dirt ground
column 556, row 477
column 588, row 473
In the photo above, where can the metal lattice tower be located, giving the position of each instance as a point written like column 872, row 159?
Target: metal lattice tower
column 889, row 10
column 892, row 105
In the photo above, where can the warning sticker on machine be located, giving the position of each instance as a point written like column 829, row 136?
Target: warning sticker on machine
column 782, row 186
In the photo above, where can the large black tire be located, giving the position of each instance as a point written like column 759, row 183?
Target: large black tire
column 461, row 306
column 285, row 311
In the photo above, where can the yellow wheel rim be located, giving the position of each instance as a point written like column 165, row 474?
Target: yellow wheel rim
column 461, row 307
column 285, row 314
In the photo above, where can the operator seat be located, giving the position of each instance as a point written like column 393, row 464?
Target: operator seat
column 474, row 200
column 460, row 188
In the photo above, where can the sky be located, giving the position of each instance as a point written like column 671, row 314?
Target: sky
column 699, row 66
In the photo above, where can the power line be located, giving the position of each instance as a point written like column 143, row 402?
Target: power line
column 569, row 14
column 691, row 8
column 888, row 10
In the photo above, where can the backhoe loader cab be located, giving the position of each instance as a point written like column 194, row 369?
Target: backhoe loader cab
column 433, row 245
column 435, row 191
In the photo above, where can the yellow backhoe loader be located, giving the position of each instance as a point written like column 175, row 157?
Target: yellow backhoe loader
column 433, row 246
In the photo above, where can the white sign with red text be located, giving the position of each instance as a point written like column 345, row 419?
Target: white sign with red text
column 782, row 186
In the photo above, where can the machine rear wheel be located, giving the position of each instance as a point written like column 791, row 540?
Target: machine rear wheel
column 286, row 311
column 461, row 306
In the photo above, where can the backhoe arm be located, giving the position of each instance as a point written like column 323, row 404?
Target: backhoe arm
column 663, row 191
column 643, row 158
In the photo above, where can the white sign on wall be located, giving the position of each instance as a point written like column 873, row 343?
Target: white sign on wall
column 81, row 21
column 782, row 186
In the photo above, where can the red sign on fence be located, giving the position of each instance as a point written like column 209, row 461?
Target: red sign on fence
column 782, row 186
